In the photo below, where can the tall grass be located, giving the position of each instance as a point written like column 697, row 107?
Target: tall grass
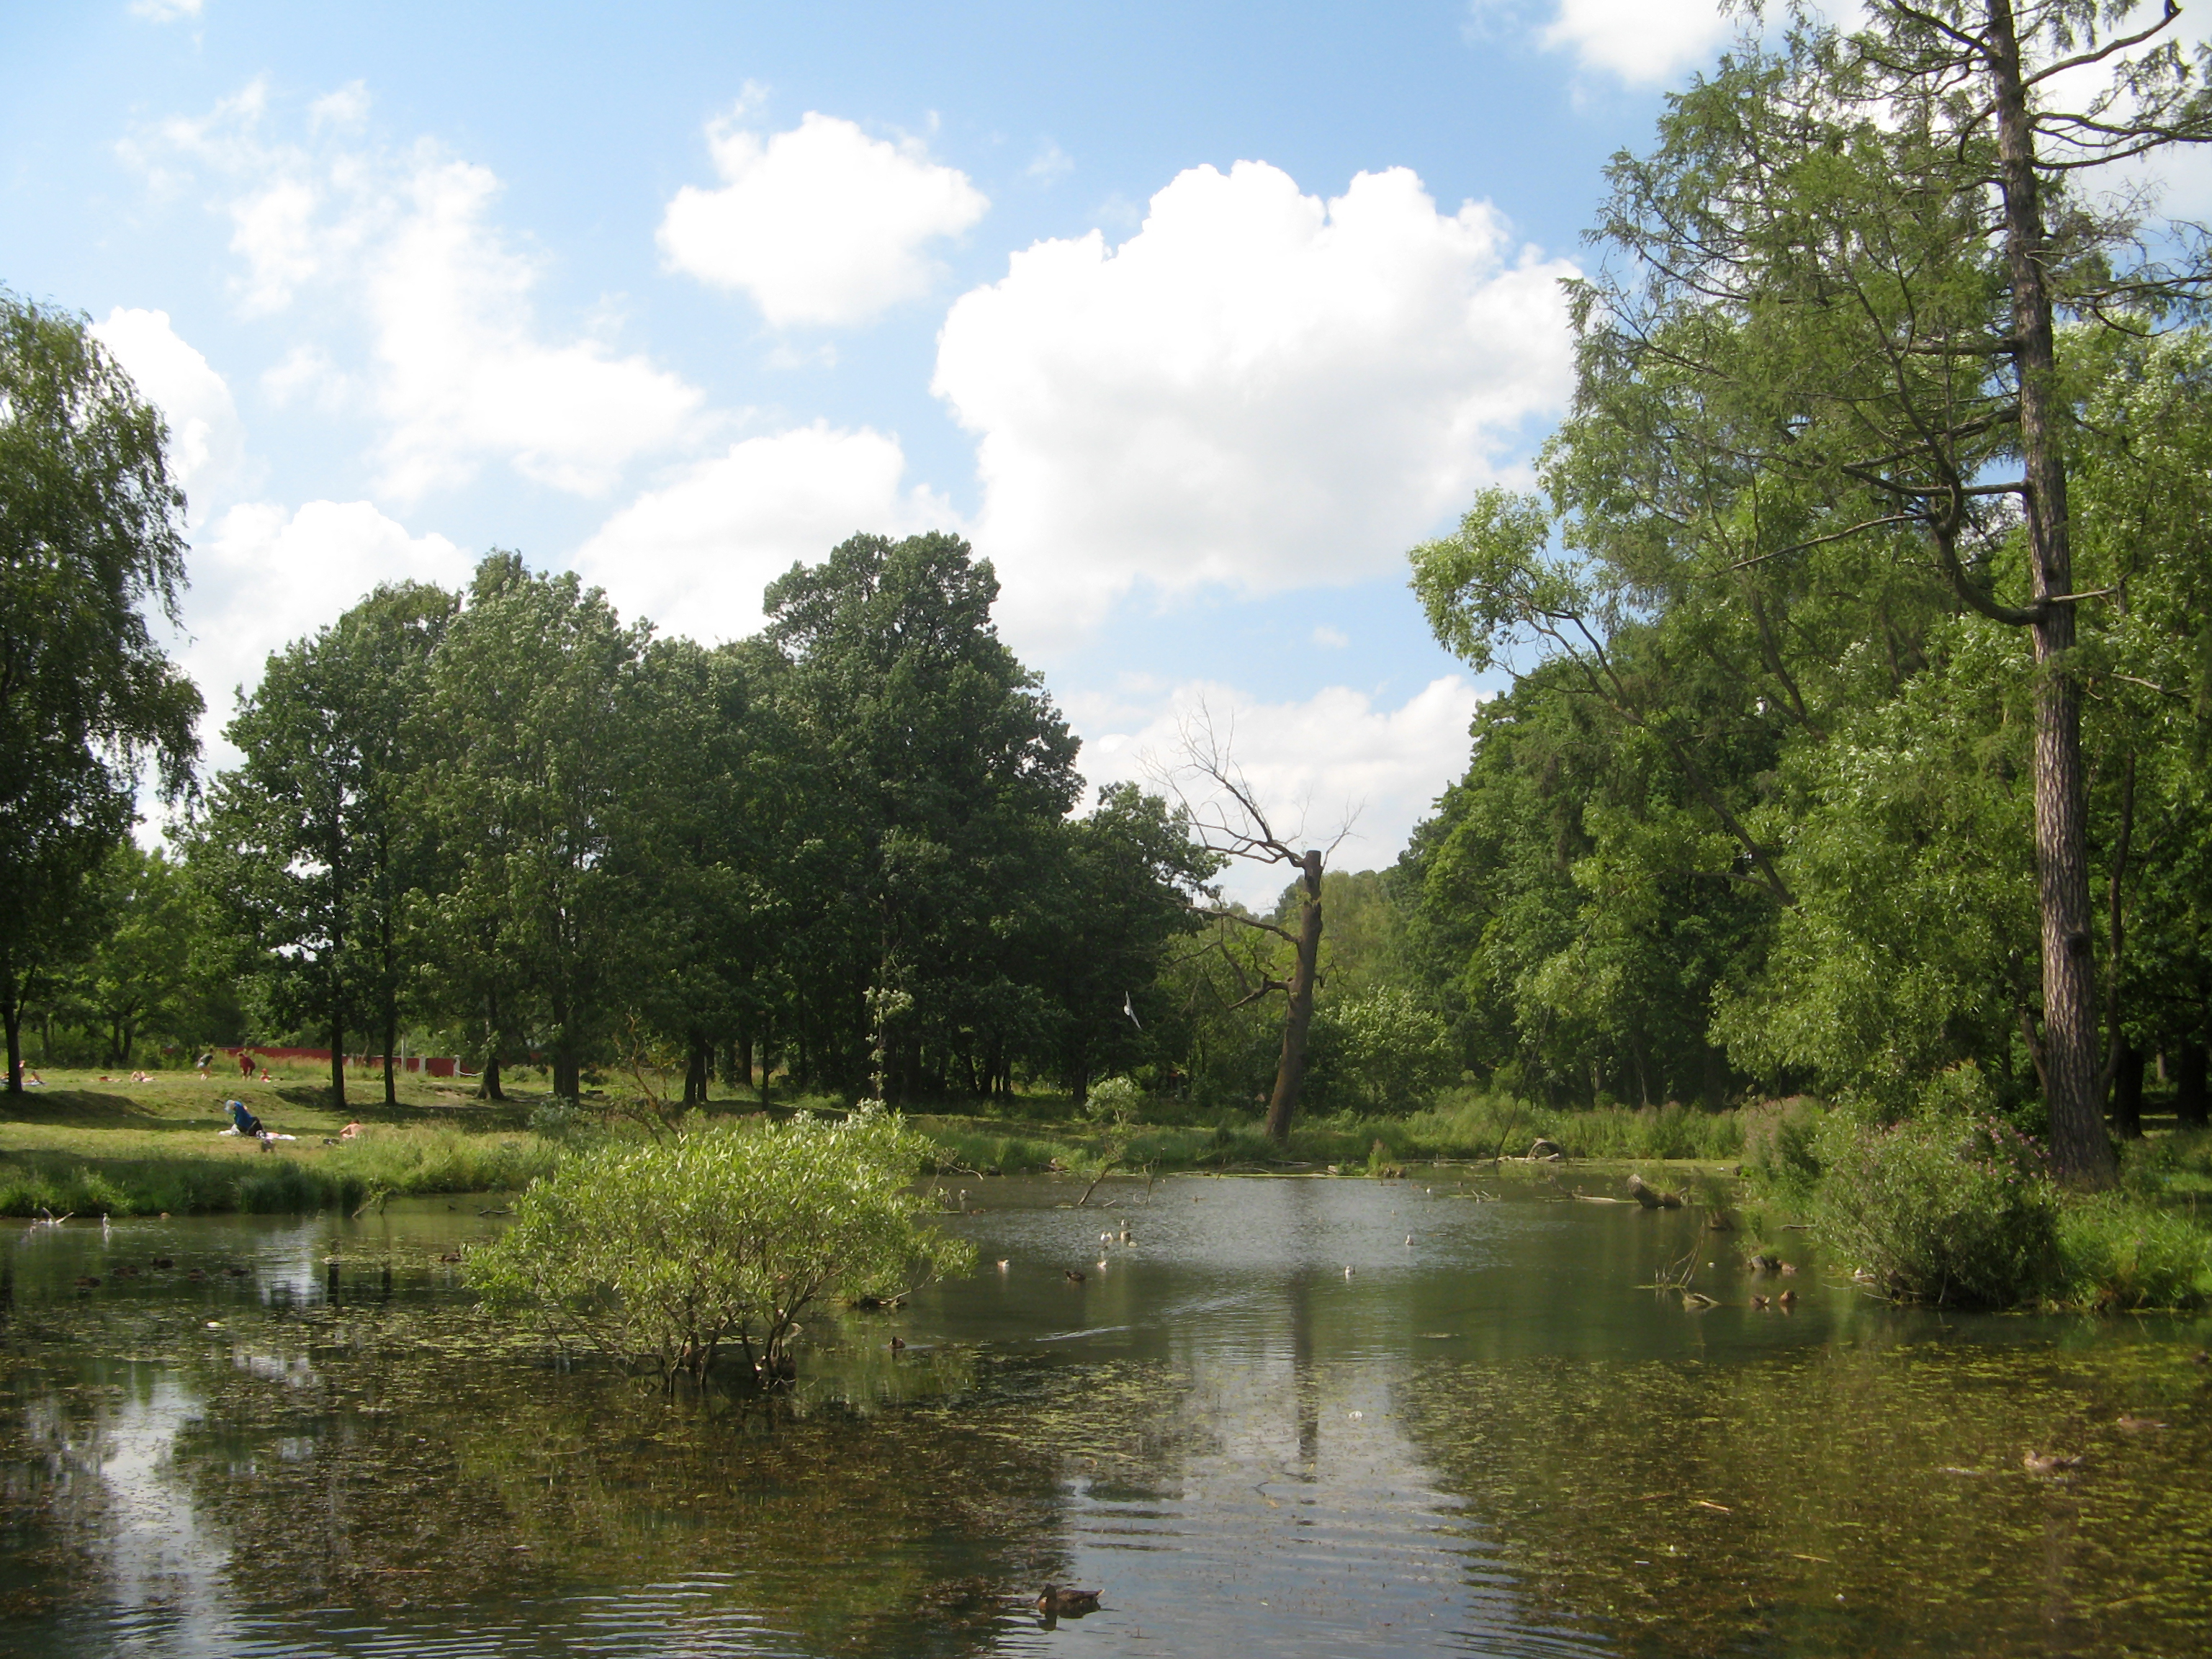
column 1482, row 1126
column 2119, row 1253
column 1476, row 1126
column 391, row 1161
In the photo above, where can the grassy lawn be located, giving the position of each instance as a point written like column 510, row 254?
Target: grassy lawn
column 89, row 1143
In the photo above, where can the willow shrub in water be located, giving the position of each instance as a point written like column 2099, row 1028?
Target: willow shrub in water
column 680, row 1254
column 1950, row 1208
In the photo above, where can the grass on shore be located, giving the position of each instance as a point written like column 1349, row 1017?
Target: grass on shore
column 1471, row 1128
column 88, row 1145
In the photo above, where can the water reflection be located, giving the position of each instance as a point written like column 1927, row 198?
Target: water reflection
column 1303, row 1417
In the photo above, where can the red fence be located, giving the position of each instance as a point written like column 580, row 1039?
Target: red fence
column 429, row 1065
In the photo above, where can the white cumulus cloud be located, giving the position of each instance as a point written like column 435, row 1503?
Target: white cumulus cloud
column 695, row 554
column 207, row 440
column 1639, row 41
column 464, row 373
column 821, row 224
column 1258, row 389
column 1316, row 764
column 263, row 575
column 460, row 369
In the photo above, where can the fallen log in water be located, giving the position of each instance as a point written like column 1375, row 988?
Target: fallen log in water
column 1650, row 1197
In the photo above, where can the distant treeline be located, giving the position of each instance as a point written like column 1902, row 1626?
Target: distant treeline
column 841, row 850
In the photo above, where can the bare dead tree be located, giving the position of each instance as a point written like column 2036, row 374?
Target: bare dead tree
column 1227, row 816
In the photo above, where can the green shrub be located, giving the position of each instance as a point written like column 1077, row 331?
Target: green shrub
column 1386, row 1052
column 1114, row 1101
column 2120, row 1253
column 667, row 1254
column 1781, row 1149
column 1947, row 1208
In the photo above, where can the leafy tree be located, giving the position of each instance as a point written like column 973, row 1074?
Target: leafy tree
column 546, row 801
column 139, row 975
column 1848, row 263
column 934, row 773
column 315, row 840
column 1389, row 1051
column 1120, row 900
column 90, row 543
column 1909, row 948
column 710, row 886
column 1574, row 903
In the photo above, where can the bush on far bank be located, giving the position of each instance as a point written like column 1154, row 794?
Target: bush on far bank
column 1948, row 1208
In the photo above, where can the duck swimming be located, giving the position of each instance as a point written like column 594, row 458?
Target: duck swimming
column 1068, row 1603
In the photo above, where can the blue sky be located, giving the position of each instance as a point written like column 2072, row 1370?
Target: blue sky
column 1192, row 317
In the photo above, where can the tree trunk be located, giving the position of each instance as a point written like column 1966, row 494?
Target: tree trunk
column 390, row 1042
column 568, row 1076
column 696, row 1071
column 2188, row 1086
column 11, row 1015
column 490, row 1089
column 2127, row 1093
column 2079, row 1146
column 741, row 1062
column 1290, row 1069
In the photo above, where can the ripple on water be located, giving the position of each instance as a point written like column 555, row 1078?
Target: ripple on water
column 1492, row 1443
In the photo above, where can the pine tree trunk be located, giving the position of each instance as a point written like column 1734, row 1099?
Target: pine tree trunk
column 2073, row 1087
column 1290, row 1069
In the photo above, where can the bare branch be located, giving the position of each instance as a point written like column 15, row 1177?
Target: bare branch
column 1249, row 921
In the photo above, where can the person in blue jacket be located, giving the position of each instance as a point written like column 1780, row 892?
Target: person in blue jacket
column 243, row 1121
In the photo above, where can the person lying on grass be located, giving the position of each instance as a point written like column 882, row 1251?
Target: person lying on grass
column 243, row 1122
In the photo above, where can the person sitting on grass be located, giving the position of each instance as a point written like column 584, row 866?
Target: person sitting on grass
column 242, row 1121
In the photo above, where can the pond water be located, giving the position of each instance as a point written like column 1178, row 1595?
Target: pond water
column 1291, row 1416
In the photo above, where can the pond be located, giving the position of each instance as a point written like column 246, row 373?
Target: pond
column 1295, row 1416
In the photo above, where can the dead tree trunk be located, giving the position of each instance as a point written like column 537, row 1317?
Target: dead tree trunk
column 1229, row 820
column 1290, row 1069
